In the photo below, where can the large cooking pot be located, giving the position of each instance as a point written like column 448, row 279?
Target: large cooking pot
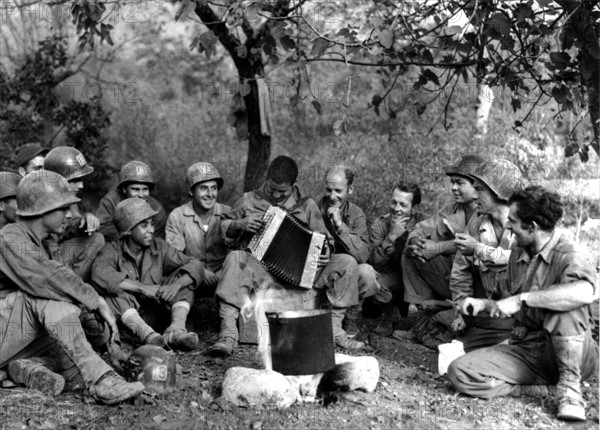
column 301, row 342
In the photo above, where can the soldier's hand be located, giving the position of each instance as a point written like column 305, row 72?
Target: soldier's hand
column 465, row 244
column 506, row 307
column 458, row 325
column 324, row 256
column 335, row 216
column 398, row 226
column 429, row 249
column 90, row 222
column 150, row 291
column 108, row 316
column 168, row 292
column 472, row 306
column 251, row 224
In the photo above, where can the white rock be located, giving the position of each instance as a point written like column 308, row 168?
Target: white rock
column 353, row 373
column 252, row 387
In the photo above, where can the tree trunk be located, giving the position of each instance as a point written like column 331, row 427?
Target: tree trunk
column 259, row 145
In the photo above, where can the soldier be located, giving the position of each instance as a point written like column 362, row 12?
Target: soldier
column 241, row 270
column 135, row 180
column 388, row 238
column 30, row 157
column 549, row 294
column 482, row 260
column 430, row 251
column 40, row 299
column 141, row 275
column 195, row 227
column 80, row 243
column 347, row 224
column 8, row 197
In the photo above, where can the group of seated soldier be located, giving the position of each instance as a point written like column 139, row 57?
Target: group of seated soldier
column 491, row 270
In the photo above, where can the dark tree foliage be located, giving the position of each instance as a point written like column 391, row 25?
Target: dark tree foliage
column 30, row 109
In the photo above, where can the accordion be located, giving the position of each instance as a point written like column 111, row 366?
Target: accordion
column 287, row 248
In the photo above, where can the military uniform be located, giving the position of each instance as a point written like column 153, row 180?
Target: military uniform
column 352, row 238
column 530, row 358
column 427, row 283
column 186, row 233
column 161, row 262
column 481, row 276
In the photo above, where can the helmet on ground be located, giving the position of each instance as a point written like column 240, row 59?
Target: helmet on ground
column 136, row 171
column 8, row 184
column 202, row 172
column 68, row 162
column 152, row 366
column 43, row 191
column 501, row 176
column 130, row 212
column 465, row 165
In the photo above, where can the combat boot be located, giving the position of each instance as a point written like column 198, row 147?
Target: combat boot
column 181, row 339
column 228, row 335
column 340, row 337
column 569, row 356
column 388, row 318
column 349, row 322
column 36, row 376
column 112, row 388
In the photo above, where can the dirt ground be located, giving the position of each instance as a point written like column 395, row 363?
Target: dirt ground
column 409, row 395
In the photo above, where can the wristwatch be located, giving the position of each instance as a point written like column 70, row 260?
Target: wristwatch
column 524, row 297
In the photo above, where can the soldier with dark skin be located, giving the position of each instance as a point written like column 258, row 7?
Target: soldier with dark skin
column 550, row 293
column 142, row 278
column 243, row 273
column 195, row 227
column 43, row 344
column 30, row 157
column 8, row 197
column 484, row 250
column 135, row 181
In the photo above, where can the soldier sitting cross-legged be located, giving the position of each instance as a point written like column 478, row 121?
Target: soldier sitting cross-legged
column 141, row 276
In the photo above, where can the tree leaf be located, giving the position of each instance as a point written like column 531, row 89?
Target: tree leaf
column 185, row 7
column 317, row 106
column 430, row 76
column 560, row 60
column 420, row 108
column 287, row 43
column 376, row 100
column 319, row 47
column 500, row 23
column 386, row 38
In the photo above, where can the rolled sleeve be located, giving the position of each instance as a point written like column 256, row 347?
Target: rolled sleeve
column 106, row 275
column 497, row 256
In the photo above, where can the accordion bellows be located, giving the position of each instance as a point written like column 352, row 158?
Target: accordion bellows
column 288, row 248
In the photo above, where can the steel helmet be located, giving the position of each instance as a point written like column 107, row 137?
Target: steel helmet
column 130, row 212
column 136, row 171
column 67, row 161
column 202, row 172
column 501, row 176
column 8, row 184
column 465, row 165
column 43, row 191
column 152, row 366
